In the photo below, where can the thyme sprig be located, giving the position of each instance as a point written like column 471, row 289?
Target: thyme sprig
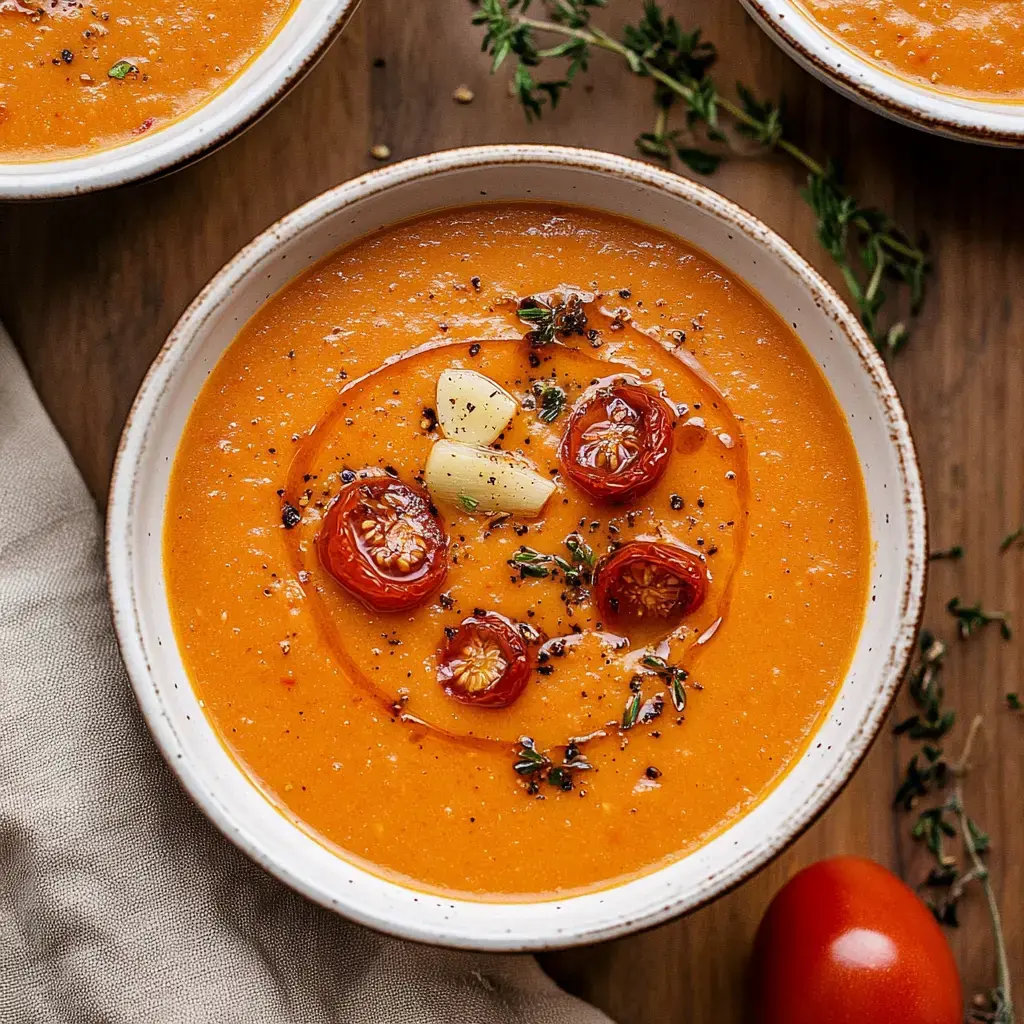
column 639, row 711
column 577, row 570
column 549, row 321
column 973, row 618
column 550, row 400
column 537, row 766
column 867, row 245
column 674, row 675
column 929, row 774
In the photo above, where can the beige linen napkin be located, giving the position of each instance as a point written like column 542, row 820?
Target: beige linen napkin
column 119, row 902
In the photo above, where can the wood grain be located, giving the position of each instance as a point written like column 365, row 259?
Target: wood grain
column 91, row 286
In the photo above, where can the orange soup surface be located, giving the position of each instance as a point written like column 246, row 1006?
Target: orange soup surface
column 539, row 701
column 968, row 46
column 78, row 76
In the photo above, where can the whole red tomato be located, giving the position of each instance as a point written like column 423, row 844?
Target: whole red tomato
column 846, row 942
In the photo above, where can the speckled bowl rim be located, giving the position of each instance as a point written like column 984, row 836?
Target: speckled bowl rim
column 993, row 123
column 256, row 90
column 130, row 463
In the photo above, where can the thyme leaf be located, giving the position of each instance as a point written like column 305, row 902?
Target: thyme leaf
column 639, row 711
column 122, row 69
column 674, row 675
column 537, row 766
column 468, row 503
column 953, row 554
column 868, row 246
column 973, row 618
column 551, row 400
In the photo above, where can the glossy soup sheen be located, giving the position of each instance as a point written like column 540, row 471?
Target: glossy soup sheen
column 58, row 97
column 335, row 710
column 969, row 46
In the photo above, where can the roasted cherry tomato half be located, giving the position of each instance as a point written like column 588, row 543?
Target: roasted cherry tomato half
column 845, row 941
column 485, row 662
column 617, row 442
column 649, row 580
column 383, row 541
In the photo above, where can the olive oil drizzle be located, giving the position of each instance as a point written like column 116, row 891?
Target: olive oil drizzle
column 689, row 644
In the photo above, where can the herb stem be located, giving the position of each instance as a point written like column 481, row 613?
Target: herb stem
column 868, row 247
column 981, row 874
column 595, row 37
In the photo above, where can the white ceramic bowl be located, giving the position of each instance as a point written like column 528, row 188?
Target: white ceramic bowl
column 294, row 50
column 809, row 44
column 611, row 183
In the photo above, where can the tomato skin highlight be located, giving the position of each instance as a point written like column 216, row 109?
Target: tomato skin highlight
column 622, row 595
column 384, row 542
column 485, row 646
column 847, row 942
column 617, row 441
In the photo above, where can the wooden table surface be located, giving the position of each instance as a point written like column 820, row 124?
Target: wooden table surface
column 91, row 286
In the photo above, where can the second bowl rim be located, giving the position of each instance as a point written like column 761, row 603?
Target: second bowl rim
column 123, row 480
column 153, row 156
column 962, row 117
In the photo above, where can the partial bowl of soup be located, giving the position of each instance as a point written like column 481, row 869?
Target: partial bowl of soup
column 516, row 547
column 97, row 95
column 953, row 69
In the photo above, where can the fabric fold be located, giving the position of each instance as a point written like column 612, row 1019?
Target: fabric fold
column 119, row 902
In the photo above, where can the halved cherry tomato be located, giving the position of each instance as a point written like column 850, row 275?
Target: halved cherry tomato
column 618, row 440
column 845, row 941
column 649, row 580
column 383, row 541
column 485, row 662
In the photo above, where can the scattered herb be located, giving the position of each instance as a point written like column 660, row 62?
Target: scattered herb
column 551, row 400
column 1014, row 702
column 582, row 553
column 531, row 563
column 632, row 710
column 866, row 244
column 931, row 722
column 547, row 322
column 674, row 675
column 468, row 504
column 538, row 767
column 576, row 570
column 639, row 711
column 1017, row 537
column 953, row 554
column 929, row 774
column 122, row 69
column 973, row 618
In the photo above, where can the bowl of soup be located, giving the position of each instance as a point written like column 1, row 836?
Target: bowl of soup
column 96, row 95
column 516, row 546
column 953, row 69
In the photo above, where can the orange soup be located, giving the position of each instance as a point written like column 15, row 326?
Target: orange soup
column 78, row 76
column 969, row 46
column 516, row 550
